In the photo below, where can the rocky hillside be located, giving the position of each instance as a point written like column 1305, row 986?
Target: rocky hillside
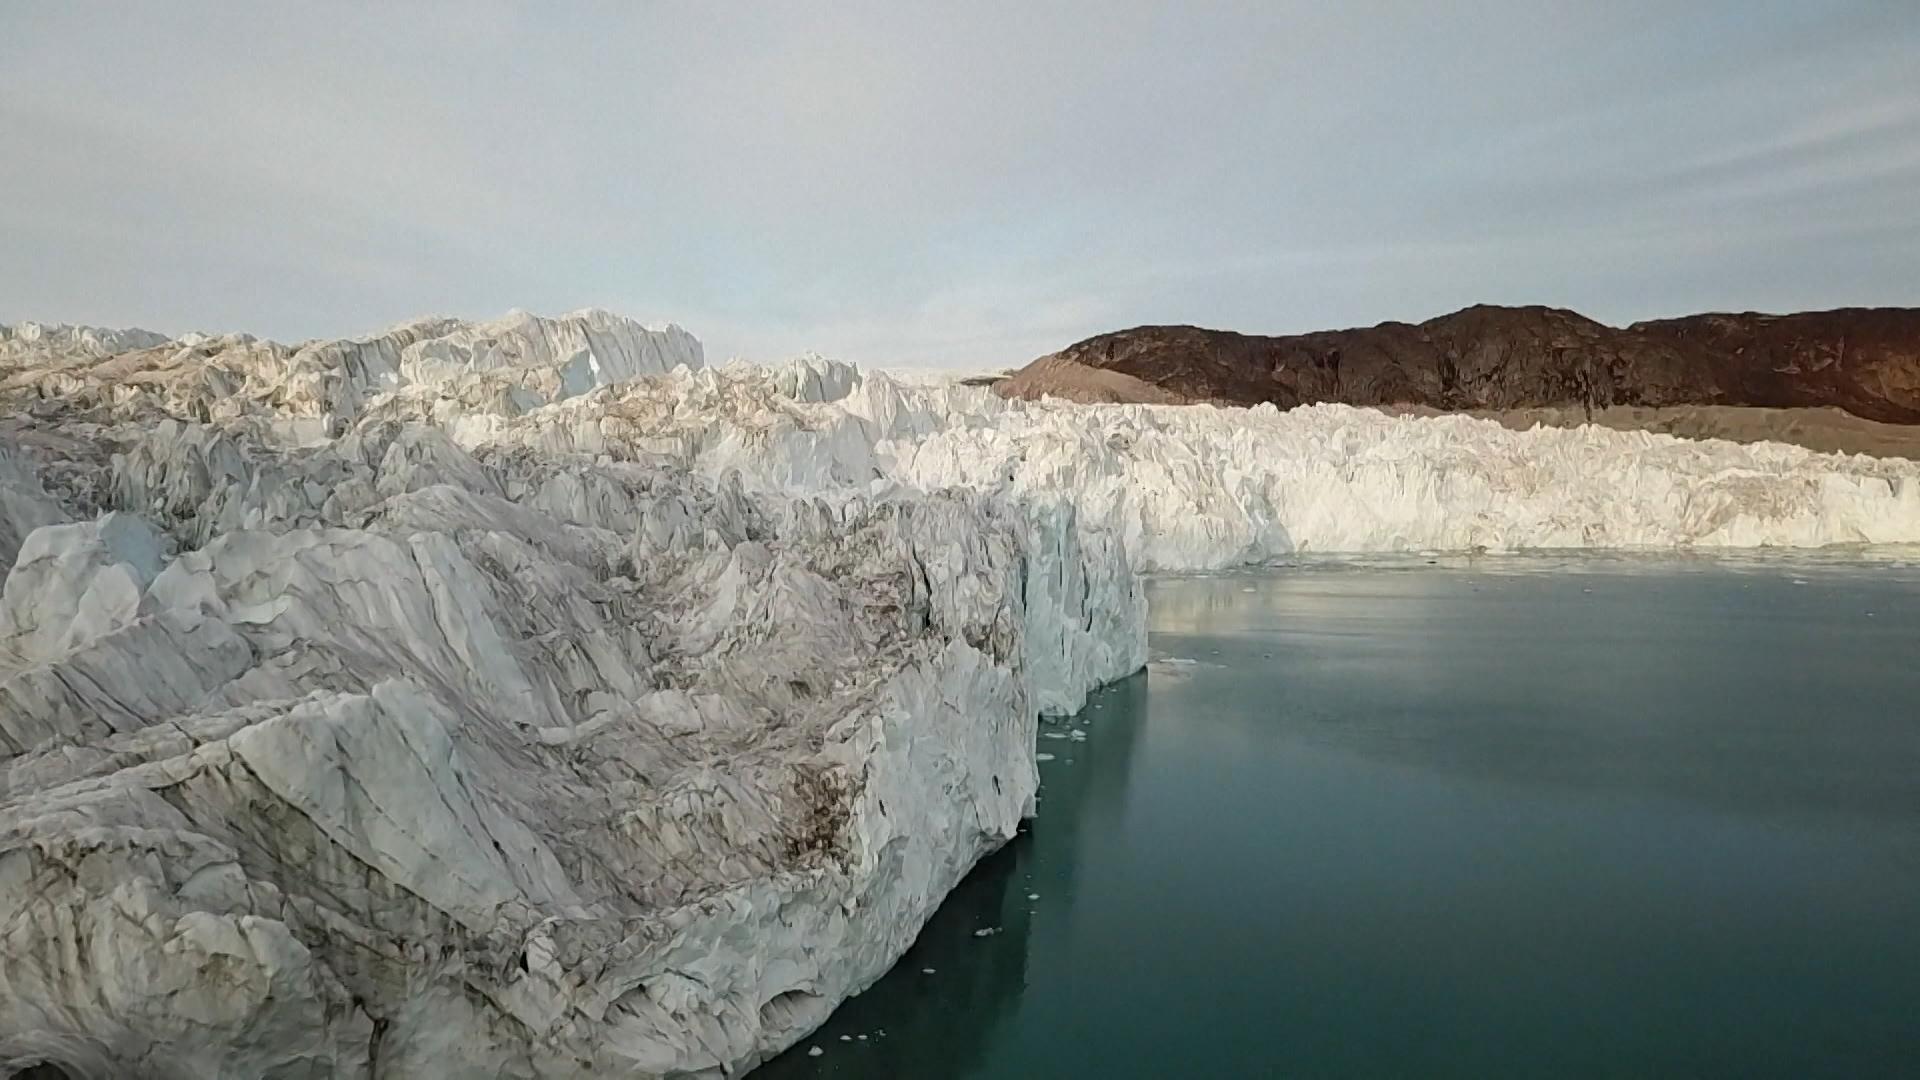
column 1863, row 360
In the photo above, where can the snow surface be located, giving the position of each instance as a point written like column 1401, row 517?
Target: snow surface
column 525, row 698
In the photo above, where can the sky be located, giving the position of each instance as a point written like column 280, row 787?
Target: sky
column 953, row 185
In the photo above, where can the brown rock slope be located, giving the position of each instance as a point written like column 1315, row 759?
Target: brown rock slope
column 1865, row 361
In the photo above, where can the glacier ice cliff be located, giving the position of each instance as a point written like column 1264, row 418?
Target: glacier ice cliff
column 527, row 698
column 1195, row 487
column 333, row 746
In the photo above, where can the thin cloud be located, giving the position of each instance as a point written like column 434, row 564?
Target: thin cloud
column 916, row 183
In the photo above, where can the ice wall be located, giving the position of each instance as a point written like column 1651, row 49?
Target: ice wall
column 1198, row 487
column 334, row 745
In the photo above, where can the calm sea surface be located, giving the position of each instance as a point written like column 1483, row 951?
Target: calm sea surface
column 1495, row 817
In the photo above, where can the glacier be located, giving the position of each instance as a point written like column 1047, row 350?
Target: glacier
column 527, row 698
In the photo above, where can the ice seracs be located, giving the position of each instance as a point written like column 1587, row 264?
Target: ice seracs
column 335, row 747
column 1201, row 488
column 528, row 699
column 42, row 342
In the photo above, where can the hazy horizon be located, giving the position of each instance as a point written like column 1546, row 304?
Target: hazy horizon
column 909, row 184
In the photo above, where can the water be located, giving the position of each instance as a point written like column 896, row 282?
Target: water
column 1522, row 817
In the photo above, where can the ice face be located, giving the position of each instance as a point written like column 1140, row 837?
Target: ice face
column 1200, row 488
column 392, row 721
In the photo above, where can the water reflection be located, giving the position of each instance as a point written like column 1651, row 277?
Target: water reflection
column 1690, row 679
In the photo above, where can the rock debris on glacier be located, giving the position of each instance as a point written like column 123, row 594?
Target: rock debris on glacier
column 519, row 698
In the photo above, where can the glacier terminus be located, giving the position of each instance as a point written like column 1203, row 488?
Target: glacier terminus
column 528, row 698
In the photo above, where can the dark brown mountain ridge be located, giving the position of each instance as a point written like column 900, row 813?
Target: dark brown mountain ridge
column 1865, row 361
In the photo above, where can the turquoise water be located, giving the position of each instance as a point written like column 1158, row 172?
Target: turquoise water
column 1495, row 817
